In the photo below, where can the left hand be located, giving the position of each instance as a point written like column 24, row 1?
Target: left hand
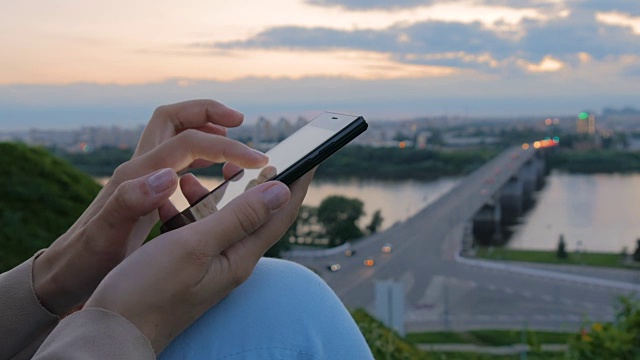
column 119, row 219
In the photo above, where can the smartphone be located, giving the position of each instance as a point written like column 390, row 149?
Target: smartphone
column 289, row 160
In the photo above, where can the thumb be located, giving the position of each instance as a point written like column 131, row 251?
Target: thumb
column 240, row 218
column 132, row 200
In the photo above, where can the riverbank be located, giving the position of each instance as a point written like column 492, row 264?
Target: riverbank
column 606, row 260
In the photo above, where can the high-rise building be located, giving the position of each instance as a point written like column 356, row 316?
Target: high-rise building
column 263, row 131
column 586, row 123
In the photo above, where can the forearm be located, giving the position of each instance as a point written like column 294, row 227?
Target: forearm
column 24, row 322
column 95, row 334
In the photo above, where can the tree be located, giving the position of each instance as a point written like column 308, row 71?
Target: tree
column 338, row 215
column 561, row 253
column 636, row 254
column 376, row 222
column 305, row 226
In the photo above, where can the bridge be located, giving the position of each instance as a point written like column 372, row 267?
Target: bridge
column 443, row 289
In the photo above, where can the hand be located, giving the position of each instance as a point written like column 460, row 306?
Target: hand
column 119, row 219
column 171, row 281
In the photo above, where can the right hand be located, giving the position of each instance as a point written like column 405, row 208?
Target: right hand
column 169, row 282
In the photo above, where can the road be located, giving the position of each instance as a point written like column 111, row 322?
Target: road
column 442, row 293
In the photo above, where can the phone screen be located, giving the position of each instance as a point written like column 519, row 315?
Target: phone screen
column 305, row 144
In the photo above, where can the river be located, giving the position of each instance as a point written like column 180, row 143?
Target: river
column 397, row 201
column 598, row 213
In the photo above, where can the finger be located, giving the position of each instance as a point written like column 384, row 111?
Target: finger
column 192, row 189
column 239, row 218
column 209, row 129
column 166, row 211
column 251, row 248
column 181, row 150
column 229, row 169
column 212, row 129
column 199, row 164
column 132, row 200
column 195, row 113
column 169, row 120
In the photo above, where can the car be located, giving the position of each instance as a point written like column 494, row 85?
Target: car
column 334, row 267
column 369, row 262
column 349, row 252
column 386, row 248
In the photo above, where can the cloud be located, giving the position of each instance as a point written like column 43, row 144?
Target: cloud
column 461, row 45
column 631, row 71
column 373, row 4
column 408, row 4
column 410, row 44
column 294, row 37
column 630, row 7
column 578, row 33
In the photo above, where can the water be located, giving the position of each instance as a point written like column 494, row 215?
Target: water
column 397, row 201
column 596, row 213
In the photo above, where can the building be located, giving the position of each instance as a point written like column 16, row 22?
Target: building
column 586, row 123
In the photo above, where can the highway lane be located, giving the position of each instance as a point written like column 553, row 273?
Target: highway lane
column 444, row 294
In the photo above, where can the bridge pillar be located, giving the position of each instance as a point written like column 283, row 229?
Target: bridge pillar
column 486, row 224
column 540, row 165
column 529, row 174
column 511, row 200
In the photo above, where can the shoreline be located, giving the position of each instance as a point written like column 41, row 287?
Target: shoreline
column 548, row 257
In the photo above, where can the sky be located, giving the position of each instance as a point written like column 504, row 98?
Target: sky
column 70, row 63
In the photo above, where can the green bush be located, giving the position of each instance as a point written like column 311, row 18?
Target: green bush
column 385, row 343
column 41, row 196
column 618, row 340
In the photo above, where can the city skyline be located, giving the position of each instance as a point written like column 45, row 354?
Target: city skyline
column 74, row 63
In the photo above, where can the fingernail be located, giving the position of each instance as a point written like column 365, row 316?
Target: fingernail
column 276, row 195
column 161, row 180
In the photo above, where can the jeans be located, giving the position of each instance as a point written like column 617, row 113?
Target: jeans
column 283, row 311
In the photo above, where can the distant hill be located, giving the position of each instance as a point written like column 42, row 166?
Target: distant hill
column 41, row 196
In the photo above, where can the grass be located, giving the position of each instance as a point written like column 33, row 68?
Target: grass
column 488, row 337
column 387, row 344
column 473, row 356
column 549, row 257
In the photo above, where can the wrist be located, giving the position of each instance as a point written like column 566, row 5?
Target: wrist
column 45, row 287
